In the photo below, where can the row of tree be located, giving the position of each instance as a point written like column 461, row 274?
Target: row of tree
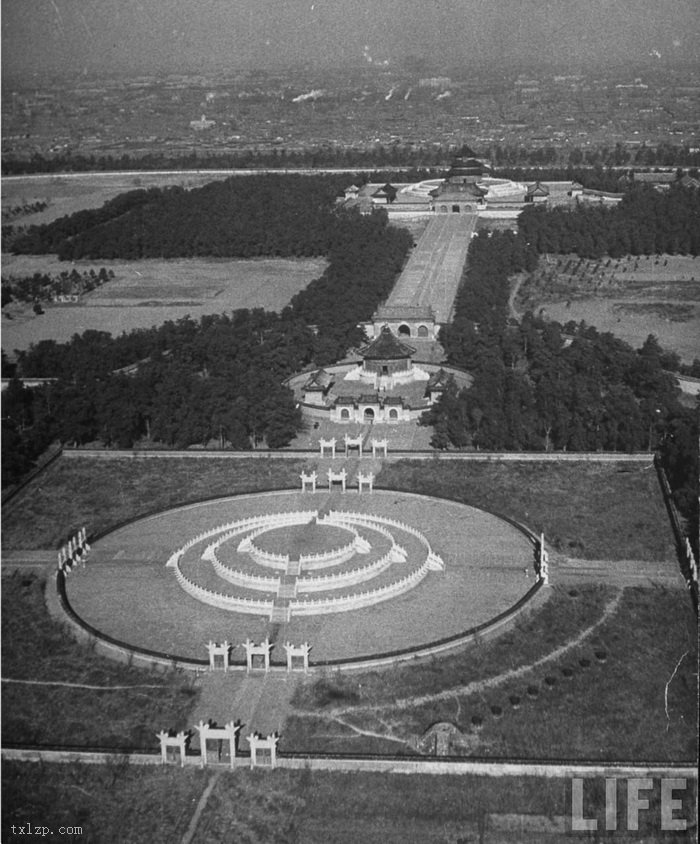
column 283, row 215
column 238, row 217
column 376, row 156
column 24, row 209
column 44, row 287
column 538, row 386
column 217, row 380
column 645, row 222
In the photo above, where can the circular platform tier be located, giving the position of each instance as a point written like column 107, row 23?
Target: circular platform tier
column 355, row 575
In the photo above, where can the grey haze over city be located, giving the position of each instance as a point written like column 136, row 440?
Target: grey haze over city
column 171, row 36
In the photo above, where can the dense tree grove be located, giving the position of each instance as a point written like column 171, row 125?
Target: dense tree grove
column 373, row 157
column 365, row 258
column 537, row 385
column 594, row 178
column 43, row 287
column 217, row 380
column 540, row 386
column 645, row 222
column 260, row 215
column 244, row 217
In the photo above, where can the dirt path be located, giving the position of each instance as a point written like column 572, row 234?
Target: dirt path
column 475, row 686
column 201, row 806
column 567, row 570
column 259, row 701
column 515, row 289
column 41, row 559
column 82, row 685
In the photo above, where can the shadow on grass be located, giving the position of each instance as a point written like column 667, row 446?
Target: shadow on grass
column 606, row 511
column 37, row 648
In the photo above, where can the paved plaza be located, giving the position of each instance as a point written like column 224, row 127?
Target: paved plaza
column 127, row 592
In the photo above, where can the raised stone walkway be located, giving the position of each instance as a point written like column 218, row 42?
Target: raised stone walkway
column 434, row 270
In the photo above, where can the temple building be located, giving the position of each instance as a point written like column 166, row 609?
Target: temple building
column 386, row 361
column 384, row 386
column 404, row 320
column 466, row 188
column 459, row 192
column 537, row 193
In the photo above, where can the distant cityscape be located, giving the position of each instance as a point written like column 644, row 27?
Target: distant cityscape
column 565, row 115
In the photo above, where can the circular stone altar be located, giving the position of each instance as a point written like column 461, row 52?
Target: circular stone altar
column 354, row 575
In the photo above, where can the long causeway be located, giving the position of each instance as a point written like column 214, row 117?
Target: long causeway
column 433, row 272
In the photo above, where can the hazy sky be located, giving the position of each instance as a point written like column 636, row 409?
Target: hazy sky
column 172, row 35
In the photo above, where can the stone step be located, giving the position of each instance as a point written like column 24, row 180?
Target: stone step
column 287, row 590
column 279, row 615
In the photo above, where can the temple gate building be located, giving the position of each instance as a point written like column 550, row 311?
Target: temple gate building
column 384, row 386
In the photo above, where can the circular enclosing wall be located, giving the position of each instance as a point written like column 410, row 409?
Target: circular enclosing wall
column 357, row 576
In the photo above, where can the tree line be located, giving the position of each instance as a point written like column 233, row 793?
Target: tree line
column 376, row 156
column 44, row 287
column 645, row 222
column 541, row 386
column 271, row 215
column 216, row 381
column 24, row 209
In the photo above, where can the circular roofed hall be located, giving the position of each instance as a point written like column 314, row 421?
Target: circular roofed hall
column 386, row 354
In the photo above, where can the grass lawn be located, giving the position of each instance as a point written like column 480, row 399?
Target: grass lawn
column 126, row 804
column 630, row 297
column 609, row 707
column 588, row 511
column 150, row 292
column 533, row 636
column 35, row 647
column 67, row 194
column 603, row 511
column 116, row 802
column 103, row 493
column 604, row 698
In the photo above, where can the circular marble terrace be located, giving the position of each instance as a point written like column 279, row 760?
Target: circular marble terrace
column 354, row 575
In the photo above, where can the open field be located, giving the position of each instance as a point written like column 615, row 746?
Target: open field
column 617, row 660
column 548, row 623
column 596, row 685
column 70, row 696
column 144, row 293
column 150, row 292
column 588, row 511
column 66, row 194
column 100, row 495
column 111, row 803
column 155, row 806
column 630, row 297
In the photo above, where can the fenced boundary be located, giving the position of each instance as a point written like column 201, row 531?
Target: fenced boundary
column 387, row 764
column 683, row 548
column 308, row 454
column 296, row 454
column 51, row 456
column 60, row 607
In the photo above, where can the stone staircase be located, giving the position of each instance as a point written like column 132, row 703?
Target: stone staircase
column 279, row 614
column 288, row 588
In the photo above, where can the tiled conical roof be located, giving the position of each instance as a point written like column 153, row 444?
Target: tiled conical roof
column 438, row 380
column 387, row 347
